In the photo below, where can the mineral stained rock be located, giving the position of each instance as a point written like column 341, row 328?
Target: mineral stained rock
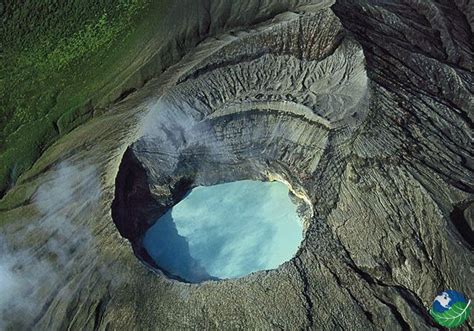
column 364, row 108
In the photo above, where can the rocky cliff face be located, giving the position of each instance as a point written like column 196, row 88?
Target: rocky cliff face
column 364, row 108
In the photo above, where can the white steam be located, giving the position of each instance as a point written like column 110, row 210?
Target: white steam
column 36, row 258
column 172, row 129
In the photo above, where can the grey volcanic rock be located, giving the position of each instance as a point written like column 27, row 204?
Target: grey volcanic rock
column 364, row 108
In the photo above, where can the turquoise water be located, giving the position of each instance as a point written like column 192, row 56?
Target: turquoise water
column 226, row 231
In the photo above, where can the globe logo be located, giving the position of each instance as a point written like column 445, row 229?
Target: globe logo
column 450, row 309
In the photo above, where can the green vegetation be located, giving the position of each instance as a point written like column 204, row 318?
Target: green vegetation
column 56, row 62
